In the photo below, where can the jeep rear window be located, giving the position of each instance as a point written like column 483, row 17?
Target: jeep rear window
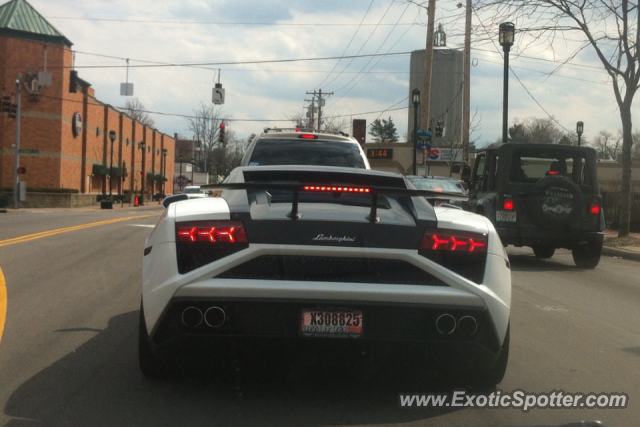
column 530, row 167
column 306, row 152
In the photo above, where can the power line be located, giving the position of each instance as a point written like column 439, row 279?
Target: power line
column 275, row 24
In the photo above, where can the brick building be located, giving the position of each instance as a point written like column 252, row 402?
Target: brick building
column 64, row 130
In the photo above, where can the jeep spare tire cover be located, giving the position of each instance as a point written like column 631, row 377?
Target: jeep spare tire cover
column 556, row 202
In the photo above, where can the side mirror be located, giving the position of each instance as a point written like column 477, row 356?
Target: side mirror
column 466, row 173
column 172, row 199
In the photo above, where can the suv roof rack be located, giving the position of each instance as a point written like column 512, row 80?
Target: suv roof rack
column 296, row 129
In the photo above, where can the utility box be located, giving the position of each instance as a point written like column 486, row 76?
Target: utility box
column 22, row 191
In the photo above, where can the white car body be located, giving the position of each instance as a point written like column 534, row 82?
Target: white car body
column 484, row 296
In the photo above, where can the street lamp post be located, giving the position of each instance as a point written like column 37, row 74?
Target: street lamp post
column 164, row 170
column 415, row 98
column 143, row 146
column 506, row 37
column 579, row 130
column 180, row 177
column 112, row 138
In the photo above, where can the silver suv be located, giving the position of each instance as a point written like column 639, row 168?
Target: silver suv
column 305, row 147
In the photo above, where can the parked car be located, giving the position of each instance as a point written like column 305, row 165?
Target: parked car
column 194, row 192
column 438, row 184
column 544, row 196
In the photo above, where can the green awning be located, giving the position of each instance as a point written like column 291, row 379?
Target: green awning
column 100, row 170
column 116, row 171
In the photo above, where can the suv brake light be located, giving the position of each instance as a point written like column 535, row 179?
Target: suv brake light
column 454, row 241
column 212, row 232
column 307, row 136
column 508, row 204
column 594, row 208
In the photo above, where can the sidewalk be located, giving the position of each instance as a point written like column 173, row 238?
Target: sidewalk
column 627, row 252
column 116, row 207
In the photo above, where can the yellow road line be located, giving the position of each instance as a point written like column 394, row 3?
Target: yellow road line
column 3, row 303
column 67, row 229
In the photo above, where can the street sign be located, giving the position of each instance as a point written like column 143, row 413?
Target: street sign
column 182, row 180
column 472, row 149
column 218, row 96
column 423, row 147
column 28, row 151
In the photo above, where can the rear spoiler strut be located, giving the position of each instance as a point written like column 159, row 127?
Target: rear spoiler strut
column 297, row 188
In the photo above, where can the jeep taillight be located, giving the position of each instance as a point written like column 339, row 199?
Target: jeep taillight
column 211, row 232
column 508, row 204
column 594, row 208
column 454, row 241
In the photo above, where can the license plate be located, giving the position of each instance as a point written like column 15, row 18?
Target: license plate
column 332, row 324
column 505, row 216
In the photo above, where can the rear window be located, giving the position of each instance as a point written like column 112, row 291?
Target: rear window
column 437, row 185
column 308, row 152
column 530, row 166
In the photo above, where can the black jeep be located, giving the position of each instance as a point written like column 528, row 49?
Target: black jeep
column 544, row 196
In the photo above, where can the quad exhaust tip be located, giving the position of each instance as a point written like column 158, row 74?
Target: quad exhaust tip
column 467, row 326
column 446, row 324
column 192, row 317
column 215, row 317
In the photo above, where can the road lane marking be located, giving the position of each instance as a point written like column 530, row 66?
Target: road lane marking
column 3, row 303
column 34, row 236
column 141, row 225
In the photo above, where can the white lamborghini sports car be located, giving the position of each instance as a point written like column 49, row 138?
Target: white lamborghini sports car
column 331, row 256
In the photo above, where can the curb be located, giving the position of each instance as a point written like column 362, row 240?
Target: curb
column 622, row 253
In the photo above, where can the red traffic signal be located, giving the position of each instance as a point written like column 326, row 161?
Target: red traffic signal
column 221, row 137
column 13, row 111
column 22, row 169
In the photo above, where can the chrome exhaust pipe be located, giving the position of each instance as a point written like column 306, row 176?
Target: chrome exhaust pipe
column 192, row 317
column 467, row 325
column 215, row 317
column 446, row 324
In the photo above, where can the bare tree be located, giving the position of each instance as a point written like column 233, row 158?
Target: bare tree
column 135, row 109
column 606, row 144
column 205, row 128
column 609, row 29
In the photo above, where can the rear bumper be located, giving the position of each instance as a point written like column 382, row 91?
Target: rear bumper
column 557, row 238
column 276, row 325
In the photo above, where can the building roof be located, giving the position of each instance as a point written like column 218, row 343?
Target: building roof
column 20, row 20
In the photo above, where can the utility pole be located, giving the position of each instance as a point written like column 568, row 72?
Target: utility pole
column 16, row 177
column 320, row 104
column 428, row 66
column 466, row 94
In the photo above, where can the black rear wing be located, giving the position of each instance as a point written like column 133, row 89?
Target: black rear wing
column 373, row 190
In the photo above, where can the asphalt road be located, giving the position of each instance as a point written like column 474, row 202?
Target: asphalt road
column 68, row 351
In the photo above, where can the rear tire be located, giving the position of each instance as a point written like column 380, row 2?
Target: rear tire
column 543, row 251
column 587, row 256
column 150, row 365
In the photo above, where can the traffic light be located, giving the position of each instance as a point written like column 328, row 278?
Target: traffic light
column 221, row 137
column 13, row 111
column 439, row 128
column 73, row 81
column 6, row 103
column 22, row 169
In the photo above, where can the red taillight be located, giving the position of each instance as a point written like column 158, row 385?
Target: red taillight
column 508, row 204
column 594, row 208
column 553, row 172
column 334, row 188
column 438, row 189
column 307, row 136
column 454, row 241
column 212, row 232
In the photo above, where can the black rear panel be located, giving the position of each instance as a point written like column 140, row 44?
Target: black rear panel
column 331, row 269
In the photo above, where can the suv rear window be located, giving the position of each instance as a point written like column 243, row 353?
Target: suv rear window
column 309, row 152
column 530, row 166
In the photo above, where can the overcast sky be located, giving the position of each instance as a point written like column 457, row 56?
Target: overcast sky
column 104, row 33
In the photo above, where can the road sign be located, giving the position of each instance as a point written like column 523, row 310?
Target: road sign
column 472, row 149
column 28, row 151
column 182, row 180
column 423, row 147
column 218, row 96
